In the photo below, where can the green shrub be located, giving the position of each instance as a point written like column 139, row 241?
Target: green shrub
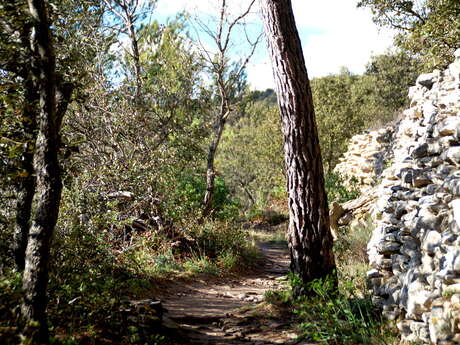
column 340, row 317
column 336, row 190
column 189, row 194
column 223, row 242
column 201, row 265
column 10, row 299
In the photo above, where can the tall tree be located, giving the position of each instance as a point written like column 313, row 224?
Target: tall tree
column 48, row 181
column 227, row 77
column 309, row 235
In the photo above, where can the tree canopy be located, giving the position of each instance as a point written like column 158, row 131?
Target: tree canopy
column 429, row 29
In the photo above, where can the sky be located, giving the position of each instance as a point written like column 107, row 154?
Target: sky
column 334, row 34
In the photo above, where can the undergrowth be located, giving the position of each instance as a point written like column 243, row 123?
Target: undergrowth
column 343, row 315
column 100, row 261
column 330, row 316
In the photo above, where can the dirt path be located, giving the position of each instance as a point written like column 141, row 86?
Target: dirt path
column 231, row 311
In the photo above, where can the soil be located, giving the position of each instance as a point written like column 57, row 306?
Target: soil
column 232, row 310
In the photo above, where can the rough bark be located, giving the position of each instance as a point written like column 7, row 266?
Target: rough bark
column 48, row 182
column 310, row 239
column 25, row 186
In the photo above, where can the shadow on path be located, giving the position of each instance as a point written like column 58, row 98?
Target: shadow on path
column 231, row 310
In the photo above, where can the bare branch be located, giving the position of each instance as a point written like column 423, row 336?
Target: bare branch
column 231, row 26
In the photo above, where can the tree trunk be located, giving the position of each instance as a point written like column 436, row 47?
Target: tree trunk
column 48, row 182
column 210, row 171
column 136, row 55
column 25, row 187
column 309, row 235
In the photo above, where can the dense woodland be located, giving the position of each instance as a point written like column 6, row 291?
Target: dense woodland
column 130, row 151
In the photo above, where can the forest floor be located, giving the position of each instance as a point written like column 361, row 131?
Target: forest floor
column 232, row 310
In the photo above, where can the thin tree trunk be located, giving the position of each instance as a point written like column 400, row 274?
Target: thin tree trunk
column 210, row 171
column 48, row 188
column 310, row 239
column 128, row 16
column 136, row 56
column 25, row 188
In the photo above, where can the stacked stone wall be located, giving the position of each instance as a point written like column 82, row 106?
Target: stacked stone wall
column 415, row 248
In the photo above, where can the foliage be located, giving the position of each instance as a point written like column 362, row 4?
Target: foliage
column 345, row 317
column 251, row 156
column 190, row 192
column 346, row 104
column 134, row 167
column 216, row 237
column 429, row 29
column 337, row 113
column 392, row 74
column 10, row 296
column 329, row 316
column 336, row 190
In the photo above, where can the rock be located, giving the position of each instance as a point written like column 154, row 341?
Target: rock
column 121, row 195
column 457, row 54
column 387, row 248
column 421, row 179
column 432, row 241
column 452, row 289
column 439, row 325
column 414, row 249
column 418, row 299
column 373, row 274
column 427, row 80
column 449, row 126
column 336, row 212
column 427, row 219
column 420, row 151
column 455, row 204
column 453, row 154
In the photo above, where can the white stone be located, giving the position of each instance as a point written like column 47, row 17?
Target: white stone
column 457, row 54
column 452, row 289
column 455, row 204
column 431, row 241
column 454, row 69
column 418, row 299
column 415, row 93
column 373, row 273
column 439, row 325
column 453, row 154
column 449, row 126
column 426, row 219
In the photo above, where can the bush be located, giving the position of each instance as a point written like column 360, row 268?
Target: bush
column 336, row 190
column 223, row 242
column 189, row 193
column 339, row 317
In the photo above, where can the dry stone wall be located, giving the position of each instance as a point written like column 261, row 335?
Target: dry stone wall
column 361, row 167
column 415, row 248
column 366, row 157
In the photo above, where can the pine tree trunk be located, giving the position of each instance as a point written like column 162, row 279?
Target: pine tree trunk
column 309, row 235
column 48, row 182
